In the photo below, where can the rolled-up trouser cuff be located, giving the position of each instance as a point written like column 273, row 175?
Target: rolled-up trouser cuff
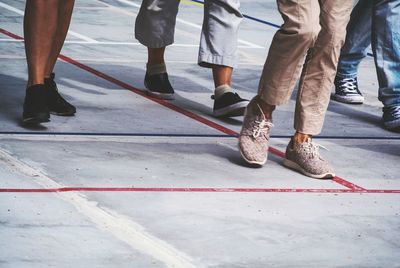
column 207, row 60
column 154, row 43
column 341, row 75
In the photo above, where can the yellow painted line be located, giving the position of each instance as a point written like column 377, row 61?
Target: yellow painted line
column 188, row 2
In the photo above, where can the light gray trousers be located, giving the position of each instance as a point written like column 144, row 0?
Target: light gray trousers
column 155, row 27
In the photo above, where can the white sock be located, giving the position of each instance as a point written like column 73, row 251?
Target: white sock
column 156, row 68
column 221, row 90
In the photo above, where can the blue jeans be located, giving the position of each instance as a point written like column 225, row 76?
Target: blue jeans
column 375, row 22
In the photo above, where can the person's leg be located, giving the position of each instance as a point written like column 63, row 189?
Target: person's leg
column 320, row 67
column 64, row 14
column 386, row 49
column 40, row 24
column 218, row 51
column 40, row 27
column 358, row 39
column 314, row 90
column 222, row 75
column 155, row 28
column 155, row 56
column 56, row 103
column 281, row 70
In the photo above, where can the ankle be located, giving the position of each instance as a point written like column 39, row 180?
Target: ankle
column 221, row 90
column 266, row 108
column 158, row 68
column 299, row 138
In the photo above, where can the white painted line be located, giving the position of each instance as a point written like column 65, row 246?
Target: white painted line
column 113, row 43
column 15, row 10
column 125, row 60
column 21, row 12
column 119, row 226
column 117, row 9
column 102, row 138
column 83, row 37
column 194, row 25
column 129, row 3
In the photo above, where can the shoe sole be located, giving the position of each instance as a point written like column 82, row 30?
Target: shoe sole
column 62, row 114
column 255, row 163
column 394, row 124
column 352, row 100
column 162, row 96
column 295, row 166
column 36, row 120
column 236, row 109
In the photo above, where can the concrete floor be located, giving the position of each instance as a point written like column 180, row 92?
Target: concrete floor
column 130, row 182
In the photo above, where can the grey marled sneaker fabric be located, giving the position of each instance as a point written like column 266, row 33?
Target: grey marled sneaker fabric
column 254, row 136
column 305, row 157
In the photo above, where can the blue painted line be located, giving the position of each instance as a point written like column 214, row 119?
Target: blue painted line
column 248, row 17
column 261, row 21
column 328, row 137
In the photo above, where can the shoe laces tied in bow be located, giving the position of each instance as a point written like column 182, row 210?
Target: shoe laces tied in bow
column 312, row 149
column 261, row 126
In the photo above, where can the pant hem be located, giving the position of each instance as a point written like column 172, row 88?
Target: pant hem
column 154, row 43
column 342, row 75
column 207, row 60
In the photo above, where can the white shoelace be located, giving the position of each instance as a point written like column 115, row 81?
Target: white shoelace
column 348, row 85
column 312, row 149
column 262, row 126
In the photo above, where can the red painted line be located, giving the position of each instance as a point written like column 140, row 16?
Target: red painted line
column 5, row 32
column 201, row 190
column 165, row 103
column 173, row 107
column 348, row 184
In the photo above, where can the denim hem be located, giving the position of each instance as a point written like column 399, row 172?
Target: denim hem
column 341, row 75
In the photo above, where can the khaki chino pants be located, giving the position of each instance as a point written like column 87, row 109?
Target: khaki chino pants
column 309, row 42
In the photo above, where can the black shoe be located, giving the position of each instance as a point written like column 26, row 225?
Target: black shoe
column 346, row 91
column 56, row 103
column 36, row 110
column 229, row 104
column 391, row 117
column 158, row 86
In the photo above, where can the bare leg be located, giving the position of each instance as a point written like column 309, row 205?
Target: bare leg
column 155, row 55
column 222, row 75
column 64, row 14
column 40, row 24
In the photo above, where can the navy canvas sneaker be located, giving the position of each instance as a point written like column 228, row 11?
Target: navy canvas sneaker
column 56, row 103
column 36, row 110
column 229, row 104
column 158, row 86
column 346, row 91
column 391, row 117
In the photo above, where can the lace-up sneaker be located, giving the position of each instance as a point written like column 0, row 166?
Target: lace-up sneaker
column 229, row 104
column 391, row 117
column 56, row 103
column 36, row 110
column 305, row 157
column 158, row 86
column 346, row 91
column 254, row 136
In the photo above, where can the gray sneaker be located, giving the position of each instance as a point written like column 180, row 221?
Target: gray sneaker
column 254, row 136
column 304, row 157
